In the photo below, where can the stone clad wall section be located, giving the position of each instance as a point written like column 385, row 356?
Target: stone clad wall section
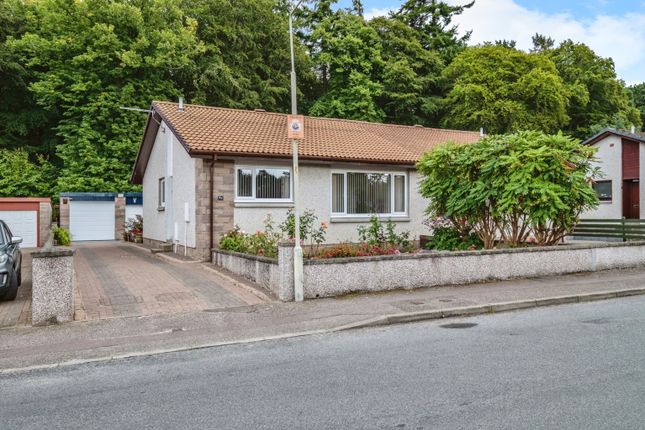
column 326, row 278
column 52, row 298
column 333, row 277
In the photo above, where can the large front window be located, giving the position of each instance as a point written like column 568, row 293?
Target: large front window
column 259, row 183
column 366, row 193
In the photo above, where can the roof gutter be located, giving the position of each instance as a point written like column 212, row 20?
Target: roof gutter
column 208, row 154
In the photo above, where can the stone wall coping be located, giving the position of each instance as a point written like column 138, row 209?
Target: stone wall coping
column 444, row 254
column 247, row 256
column 53, row 252
column 287, row 243
column 436, row 254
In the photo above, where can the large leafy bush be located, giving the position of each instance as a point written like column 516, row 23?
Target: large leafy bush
column 508, row 187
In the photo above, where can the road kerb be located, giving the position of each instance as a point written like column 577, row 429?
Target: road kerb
column 489, row 308
column 513, row 306
column 632, row 292
column 598, row 296
column 561, row 300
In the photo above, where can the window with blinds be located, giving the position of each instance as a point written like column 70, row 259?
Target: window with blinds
column 254, row 183
column 366, row 193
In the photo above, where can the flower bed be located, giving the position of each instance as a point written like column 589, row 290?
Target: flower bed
column 376, row 238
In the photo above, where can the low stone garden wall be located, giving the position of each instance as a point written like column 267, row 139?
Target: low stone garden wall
column 52, row 295
column 275, row 275
column 332, row 277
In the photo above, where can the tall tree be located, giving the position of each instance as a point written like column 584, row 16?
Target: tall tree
column 638, row 98
column 308, row 18
column 357, row 7
column 542, row 43
column 504, row 90
column 351, row 51
column 597, row 97
column 245, row 61
column 410, row 76
column 22, row 177
column 90, row 58
column 23, row 124
column 432, row 19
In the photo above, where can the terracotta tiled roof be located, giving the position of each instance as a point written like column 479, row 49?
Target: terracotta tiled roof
column 203, row 129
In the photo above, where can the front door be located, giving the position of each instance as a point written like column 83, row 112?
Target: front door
column 631, row 200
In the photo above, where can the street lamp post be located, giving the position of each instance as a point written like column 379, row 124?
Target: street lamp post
column 298, row 290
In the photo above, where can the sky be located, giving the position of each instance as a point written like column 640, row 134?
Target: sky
column 612, row 28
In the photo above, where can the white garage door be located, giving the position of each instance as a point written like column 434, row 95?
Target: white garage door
column 133, row 210
column 23, row 224
column 91, row 220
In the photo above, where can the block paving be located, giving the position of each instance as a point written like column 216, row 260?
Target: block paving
column 117, row 279
column 120, row 280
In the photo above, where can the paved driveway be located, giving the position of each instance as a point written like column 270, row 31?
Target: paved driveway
column 116, row 279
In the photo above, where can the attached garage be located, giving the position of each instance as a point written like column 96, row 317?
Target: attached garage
column 27, row 217
column 90, row 216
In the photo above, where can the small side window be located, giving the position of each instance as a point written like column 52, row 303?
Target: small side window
column 162, row 193
column 603, row 189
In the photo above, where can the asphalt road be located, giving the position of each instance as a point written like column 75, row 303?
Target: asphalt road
column 568, row 367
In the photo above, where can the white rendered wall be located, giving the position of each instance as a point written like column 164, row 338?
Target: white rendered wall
column 315, row 194
column 159, row 225
column 610, row 162
column 154, row 221
column 183, row 192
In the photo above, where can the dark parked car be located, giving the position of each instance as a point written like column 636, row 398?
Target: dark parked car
column 10, row 261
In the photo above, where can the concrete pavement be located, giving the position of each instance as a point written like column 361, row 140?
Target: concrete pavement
column 27, row 347
column 567, row 367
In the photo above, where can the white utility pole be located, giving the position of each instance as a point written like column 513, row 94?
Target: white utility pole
column 298, row 290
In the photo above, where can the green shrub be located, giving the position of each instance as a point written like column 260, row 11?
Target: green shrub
column 511, row 187
column 261, row 243
column 450, row 239
column 383, row 235
column 310, row 234
column 62, row 236
column 235, row 240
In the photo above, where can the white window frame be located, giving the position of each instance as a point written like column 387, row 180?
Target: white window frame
column 392, row 214
column 252, row 198
column 161, row 193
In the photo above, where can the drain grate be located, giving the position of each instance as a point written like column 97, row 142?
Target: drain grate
column 458, row 325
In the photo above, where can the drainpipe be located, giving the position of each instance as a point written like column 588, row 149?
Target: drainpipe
column 212, row 194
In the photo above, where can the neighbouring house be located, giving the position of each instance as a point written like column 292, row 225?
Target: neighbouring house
column 621, row 157
column 98, row 216
column 27, row 217
column 205, row 170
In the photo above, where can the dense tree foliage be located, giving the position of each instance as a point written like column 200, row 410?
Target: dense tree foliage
column 22, row 177
column 511, row 187
column 638, row 97
column 597, row 98
column 90, row 58
column 351, row 51
column 67, row 66
column 432, row 22
column 503, row 90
